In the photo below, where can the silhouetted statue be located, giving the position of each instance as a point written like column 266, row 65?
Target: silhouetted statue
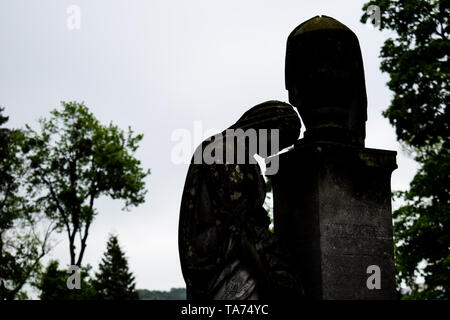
column 332, row 205
column 226, row 248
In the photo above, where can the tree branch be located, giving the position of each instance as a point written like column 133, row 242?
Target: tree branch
column 66, row 222
column 88, row 223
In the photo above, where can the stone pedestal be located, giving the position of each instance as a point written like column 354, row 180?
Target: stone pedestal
column 332, row 210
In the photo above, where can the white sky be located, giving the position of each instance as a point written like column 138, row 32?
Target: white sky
column 158, row 66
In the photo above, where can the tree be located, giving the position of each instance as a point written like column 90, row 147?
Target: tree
column 53, row 284
column 173, row 294
column 21, row 245
column 74, row 160
column 417, row 61
column 114, row 281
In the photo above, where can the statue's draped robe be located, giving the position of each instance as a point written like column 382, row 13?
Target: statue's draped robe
column 226, row 248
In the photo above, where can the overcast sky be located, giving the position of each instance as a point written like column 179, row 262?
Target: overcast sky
column 158, row 66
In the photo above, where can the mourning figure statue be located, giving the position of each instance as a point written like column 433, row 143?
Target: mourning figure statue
column 226, row 248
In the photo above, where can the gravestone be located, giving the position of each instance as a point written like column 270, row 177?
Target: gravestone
column 332, row 196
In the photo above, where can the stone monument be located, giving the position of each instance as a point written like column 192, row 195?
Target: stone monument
column 332, row 196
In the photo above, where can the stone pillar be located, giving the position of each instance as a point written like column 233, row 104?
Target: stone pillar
column 332, row 210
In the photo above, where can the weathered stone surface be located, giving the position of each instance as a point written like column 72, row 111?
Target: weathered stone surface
column 226, row 248
column 325, row 80
column 332, row 209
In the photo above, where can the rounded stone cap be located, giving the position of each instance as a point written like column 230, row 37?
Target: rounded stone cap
column 319, row 23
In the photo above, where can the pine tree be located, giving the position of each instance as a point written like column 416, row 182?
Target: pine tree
column 53, row 284
column 114, row 281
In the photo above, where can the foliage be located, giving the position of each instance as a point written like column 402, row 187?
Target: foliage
column 114, row 281
column 53, row 284
column 74, row 160
column 417, row 60
column 21, row 245
column 173, row 294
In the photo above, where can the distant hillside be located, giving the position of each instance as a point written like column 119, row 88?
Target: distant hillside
column 173, row 294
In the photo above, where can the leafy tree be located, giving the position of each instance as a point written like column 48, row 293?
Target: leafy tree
column 21, row 245
column 173, row 294
column 114, row 281
column 53, row 284
column 417, row 60
column 74, row 160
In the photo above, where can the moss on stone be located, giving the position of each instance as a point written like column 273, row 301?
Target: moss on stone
column 321, row 23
